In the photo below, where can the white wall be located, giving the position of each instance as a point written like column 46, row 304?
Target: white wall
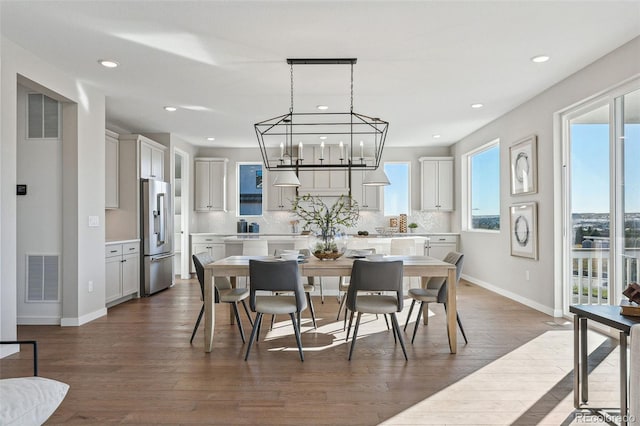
column 487, row 256
column 83, row 187
column 278, row 221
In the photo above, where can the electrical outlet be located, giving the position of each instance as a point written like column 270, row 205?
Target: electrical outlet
column 90, row 286
column 526, row 275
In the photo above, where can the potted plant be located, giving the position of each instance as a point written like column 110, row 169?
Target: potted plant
column 326, row 222
column 413, row 226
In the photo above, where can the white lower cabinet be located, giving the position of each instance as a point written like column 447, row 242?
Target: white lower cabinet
column 122, row 271
column 440, row 245
column 214, row 245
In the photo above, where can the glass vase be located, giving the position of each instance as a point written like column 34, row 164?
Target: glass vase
column 328, row 245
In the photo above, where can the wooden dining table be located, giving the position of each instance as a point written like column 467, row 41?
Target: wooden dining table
column 413, row 266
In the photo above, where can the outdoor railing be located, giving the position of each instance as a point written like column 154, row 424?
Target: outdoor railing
column 590, row 271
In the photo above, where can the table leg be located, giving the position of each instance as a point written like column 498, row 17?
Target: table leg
column 452, row 311
column 584, row 355
column 209, row 310
column 232, row 316
column 623, row 379
column 425, row 308
column 576, row 361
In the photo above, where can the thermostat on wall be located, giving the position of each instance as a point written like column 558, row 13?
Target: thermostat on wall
column 21, row 189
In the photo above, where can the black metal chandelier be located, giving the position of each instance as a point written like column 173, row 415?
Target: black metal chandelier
column 347, row 139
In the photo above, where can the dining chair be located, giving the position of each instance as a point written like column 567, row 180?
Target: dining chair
column 435, row 292
column 266, row 279
column 254, row 247
column 302, row 244
column 224, row 293
column 403, row 247
column 308, row 289
column 369, row 281
column 343, row 282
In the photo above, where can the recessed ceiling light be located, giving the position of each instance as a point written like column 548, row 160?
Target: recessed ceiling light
column 323, row 137
column 322, row 107
column 436, row 136
column 540, row 58
column 211, row 139
column 108, row 63
column 170, row 108
column 477, row 106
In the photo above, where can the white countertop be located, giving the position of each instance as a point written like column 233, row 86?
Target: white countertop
column 108, row 243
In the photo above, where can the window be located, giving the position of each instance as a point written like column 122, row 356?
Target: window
column 396, row 195
column 249, row 189
column 483, row 202
column 42, row 117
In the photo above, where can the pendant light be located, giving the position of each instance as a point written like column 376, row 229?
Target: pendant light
column 376, row 177
column 286, row 178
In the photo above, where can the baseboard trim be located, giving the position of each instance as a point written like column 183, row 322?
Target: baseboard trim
column 76, row 322
column 33, row 320
column 513, row 296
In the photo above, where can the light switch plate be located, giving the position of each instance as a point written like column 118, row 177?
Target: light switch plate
column 94, row 221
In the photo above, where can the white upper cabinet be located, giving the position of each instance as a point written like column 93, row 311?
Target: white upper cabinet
column 151, row 160
column 323, row 182
column 437, row 183
column 211, row 184
column 111, row 170
column 279, row 197
column 367, row 196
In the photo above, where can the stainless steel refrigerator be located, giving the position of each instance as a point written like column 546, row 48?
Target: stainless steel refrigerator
column 156, row 225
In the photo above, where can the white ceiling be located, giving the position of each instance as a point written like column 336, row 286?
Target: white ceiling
column 223, row 63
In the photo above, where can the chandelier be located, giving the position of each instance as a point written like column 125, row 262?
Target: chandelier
column 321, row 140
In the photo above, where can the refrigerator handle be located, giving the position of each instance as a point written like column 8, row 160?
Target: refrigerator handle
column 161, row 218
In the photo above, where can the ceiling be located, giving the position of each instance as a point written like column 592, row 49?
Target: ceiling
column 421, row 64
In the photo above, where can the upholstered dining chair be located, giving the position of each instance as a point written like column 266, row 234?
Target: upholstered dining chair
column 309, row 288
column 224, row 293
column 254, row 247
column 435, row 292
column 343, row 283
column 369, row 281
column 269, row 278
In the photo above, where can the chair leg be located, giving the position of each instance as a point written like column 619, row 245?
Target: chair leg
column 258, row 321
column 313, row 312
column 235, row 311
column 461, row 329
column 413, row 302
column 386, row 321
column 355, row 333
column 342, row 305
column 344, row 323
column 321, row 290
column 244, row 304
column 393, row 329
column 349, row 328
column 197, row 324
column 273, row 320
column 396, row 327
column 415, row 327
column 296, row 329
column 254, row 333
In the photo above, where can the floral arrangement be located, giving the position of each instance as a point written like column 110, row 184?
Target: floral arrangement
column 326, row 221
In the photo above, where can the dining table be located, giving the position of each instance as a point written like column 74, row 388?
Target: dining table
column 413, row 266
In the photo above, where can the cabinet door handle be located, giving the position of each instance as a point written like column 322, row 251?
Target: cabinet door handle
column 123, row 260
column 131, row 248
column 113, row 251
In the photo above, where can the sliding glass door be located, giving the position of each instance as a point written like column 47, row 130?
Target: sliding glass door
column 602, row 199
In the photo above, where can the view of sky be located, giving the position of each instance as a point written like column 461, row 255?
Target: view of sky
column 396, row 195
column 485, row 183
column 590, row 168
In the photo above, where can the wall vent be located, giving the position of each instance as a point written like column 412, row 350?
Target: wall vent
column 43, row 117
column 43, row 278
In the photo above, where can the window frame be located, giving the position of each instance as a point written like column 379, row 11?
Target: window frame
column 237, row 191
column 467, row 215
column 384, row 203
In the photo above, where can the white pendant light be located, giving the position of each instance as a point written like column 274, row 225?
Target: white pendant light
column 286, row 178
column 376, row 177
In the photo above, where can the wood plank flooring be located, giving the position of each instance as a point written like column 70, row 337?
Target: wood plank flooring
column 136, row 366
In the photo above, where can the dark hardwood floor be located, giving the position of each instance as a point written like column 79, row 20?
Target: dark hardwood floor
column 136, row 364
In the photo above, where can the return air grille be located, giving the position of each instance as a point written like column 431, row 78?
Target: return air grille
column 43, row 117
column 42, row 278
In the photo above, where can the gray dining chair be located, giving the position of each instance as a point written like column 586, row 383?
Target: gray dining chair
column 224, row 293
column 369, row 281
column 436, row 292
column 309, row 288
column 269, row 278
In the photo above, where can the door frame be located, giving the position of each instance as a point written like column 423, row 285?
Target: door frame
column 185, row 264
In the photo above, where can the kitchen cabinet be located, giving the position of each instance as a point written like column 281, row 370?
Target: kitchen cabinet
column 211, row 184
column 151, row 160
column 367, row 196
column 212, row 244
column 439, row 245
column 122, row 271
column 437, row 183
column 324, row 182
column 279, row 197
column 111, row 146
